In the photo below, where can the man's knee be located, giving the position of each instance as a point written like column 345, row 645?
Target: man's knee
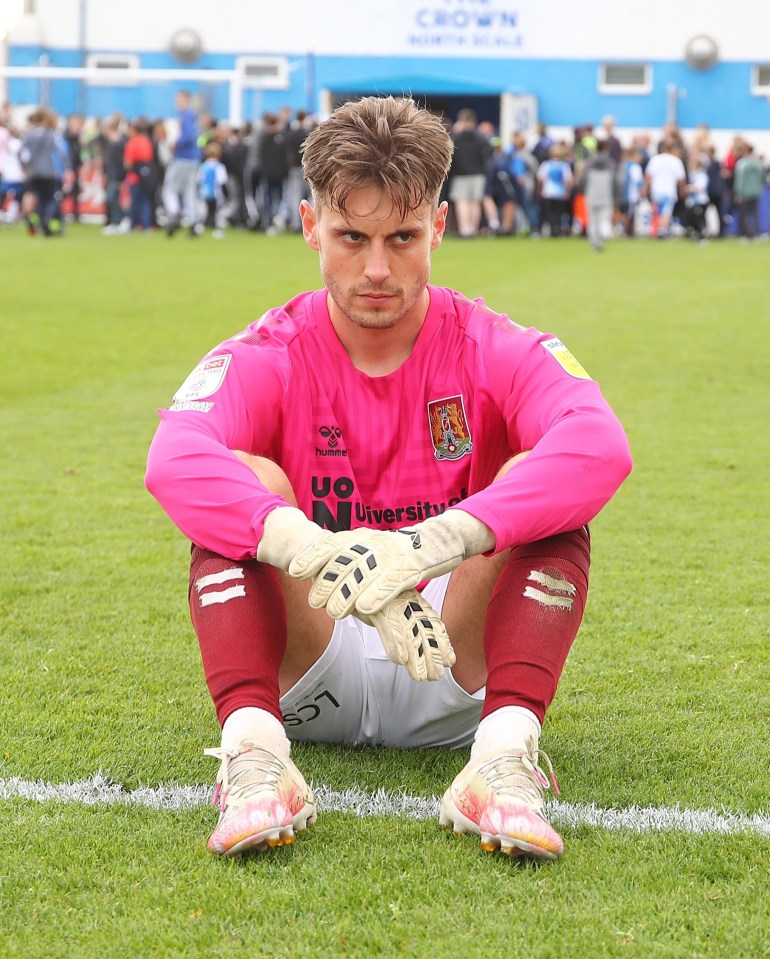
column 574, row 545
column 269, row 474
column 509, row 464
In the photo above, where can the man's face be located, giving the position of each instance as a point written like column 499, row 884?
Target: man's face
column 374, row 262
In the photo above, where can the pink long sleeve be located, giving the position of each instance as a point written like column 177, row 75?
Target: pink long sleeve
column 211, row 495
column 579, row 452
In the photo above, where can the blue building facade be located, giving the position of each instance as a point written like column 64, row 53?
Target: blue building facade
column 695, row 63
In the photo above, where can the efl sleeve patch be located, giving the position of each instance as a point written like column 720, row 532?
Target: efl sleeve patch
column 564, row 358
column 204, row 380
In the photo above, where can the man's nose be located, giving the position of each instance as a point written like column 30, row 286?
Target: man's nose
column 377, row 267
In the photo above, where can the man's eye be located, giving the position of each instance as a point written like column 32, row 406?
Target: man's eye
column 353, row 237
column 403, row 237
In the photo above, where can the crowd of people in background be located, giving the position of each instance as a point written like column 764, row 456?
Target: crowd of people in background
column 198, row 174
column 597, row 186
column 203, row 174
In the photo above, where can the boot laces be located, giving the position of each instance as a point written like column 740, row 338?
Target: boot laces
column 518, row 774
column 245, row 771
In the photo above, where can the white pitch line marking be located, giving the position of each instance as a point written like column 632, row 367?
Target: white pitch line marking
column 100, row 791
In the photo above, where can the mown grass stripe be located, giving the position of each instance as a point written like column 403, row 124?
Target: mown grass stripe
column 99, row 790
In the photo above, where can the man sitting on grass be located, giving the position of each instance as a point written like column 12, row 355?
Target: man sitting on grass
column 368, row 472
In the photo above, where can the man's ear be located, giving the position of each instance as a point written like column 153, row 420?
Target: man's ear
column 439, row 225
column 309, row 224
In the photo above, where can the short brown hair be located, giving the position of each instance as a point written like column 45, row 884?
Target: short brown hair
column 387, row 142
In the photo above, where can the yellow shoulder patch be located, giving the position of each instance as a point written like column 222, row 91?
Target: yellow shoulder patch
column 564, row 358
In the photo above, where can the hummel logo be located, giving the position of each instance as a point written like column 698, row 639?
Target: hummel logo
column 332, row 435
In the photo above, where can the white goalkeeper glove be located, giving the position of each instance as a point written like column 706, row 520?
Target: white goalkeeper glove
column 410, row 630
column 414, row 636
column 366, row 572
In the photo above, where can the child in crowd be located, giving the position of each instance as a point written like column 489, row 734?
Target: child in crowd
column 598, row 183
column 212, row 178
column 697, row 199
column 630, row 186
column 554, row 186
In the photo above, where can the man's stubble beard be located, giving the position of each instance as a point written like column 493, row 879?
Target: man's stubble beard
column 374, row 319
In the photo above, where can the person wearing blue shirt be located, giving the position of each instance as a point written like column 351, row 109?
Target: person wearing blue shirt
column 554, row 186
column 523, row 169
column 517, row 170
column 180, row 186
column 499, row 201
column 212, row 181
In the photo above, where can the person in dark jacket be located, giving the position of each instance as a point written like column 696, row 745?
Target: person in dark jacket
column 274, row 167
column 73, row 134
column 468, row 172
column 716, row 185
column 114, row 174
column 297, row 188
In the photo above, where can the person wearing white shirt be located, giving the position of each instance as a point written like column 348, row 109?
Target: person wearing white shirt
column 665, row 181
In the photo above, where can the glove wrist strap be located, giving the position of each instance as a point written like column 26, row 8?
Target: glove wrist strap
column 287, row 531
column 476, row 537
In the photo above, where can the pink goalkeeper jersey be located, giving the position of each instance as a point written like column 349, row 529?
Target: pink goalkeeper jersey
column 392, row 450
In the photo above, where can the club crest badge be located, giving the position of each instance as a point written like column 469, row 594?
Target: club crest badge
column 449, row 428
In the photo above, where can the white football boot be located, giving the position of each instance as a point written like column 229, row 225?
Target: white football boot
column 262, row 797
column 499, row 797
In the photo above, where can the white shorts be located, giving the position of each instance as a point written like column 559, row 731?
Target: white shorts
column 467, row 187
column 355, row 695
column 664, row 205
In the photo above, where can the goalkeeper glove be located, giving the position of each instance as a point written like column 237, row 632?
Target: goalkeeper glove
column 287, row 532
column 365, row 572
column 410, row 630
column 414, row 636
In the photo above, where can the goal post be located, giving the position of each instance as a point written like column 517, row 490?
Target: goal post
column 110, row 83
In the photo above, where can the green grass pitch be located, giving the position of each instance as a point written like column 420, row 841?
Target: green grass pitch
column 664, row 700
